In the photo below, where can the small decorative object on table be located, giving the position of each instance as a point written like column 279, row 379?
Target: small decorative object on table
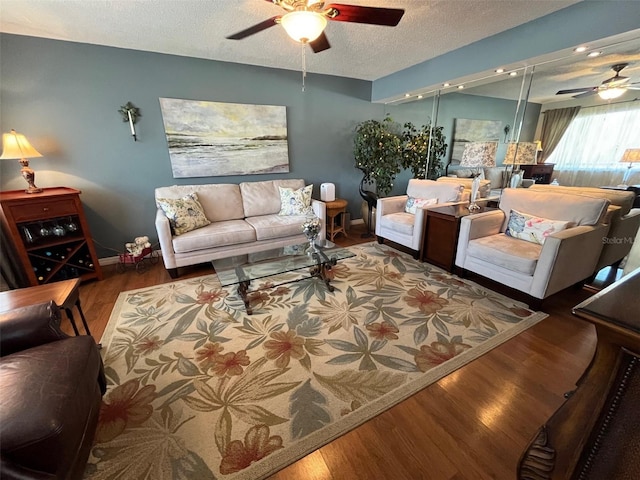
column 475, row 186
column 137, row 251
column 311, row 229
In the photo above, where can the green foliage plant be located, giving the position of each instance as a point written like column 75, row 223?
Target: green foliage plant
column 415, row 150
column 377, row 149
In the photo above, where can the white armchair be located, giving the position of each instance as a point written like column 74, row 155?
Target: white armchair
column 395, row 224
column 565, row 258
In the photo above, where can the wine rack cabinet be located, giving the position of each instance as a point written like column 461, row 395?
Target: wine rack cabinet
column 50, row 234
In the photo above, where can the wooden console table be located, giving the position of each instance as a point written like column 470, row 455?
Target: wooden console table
column 594, row 435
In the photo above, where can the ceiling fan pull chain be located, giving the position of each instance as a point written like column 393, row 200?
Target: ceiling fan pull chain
column 304, row 64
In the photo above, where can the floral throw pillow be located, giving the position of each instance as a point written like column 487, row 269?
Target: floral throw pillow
column 184, row 214
column 531, row 228
column 414, row 203
column 296, row 202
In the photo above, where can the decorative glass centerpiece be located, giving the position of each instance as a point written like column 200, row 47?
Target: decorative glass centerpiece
column 311, row 229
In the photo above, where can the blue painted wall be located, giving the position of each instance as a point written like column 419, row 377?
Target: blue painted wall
column 65, row 98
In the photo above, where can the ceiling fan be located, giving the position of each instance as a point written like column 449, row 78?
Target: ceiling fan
column 305, row 20
column 609, row 89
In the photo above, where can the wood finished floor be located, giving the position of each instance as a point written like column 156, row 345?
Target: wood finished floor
column 472, row 424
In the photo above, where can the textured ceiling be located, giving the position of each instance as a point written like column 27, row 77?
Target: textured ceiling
column 197, row 28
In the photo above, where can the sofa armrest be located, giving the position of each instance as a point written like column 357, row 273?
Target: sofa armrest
column 567, row 257
column 30, row 326
column 476, row 226
column 165, row 238
column 320, row 211
column 388, row 205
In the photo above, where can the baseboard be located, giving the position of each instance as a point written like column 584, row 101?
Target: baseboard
column 109, row 260
column 357, row 221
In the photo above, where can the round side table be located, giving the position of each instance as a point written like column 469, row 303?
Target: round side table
column 335, row 208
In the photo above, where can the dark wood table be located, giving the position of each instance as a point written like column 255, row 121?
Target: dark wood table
column 65, row 295
column 594, row 434
column 440, row 234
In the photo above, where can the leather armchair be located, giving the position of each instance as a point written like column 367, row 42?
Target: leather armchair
column 566, row 258
column 393, row 223
column 51, row 386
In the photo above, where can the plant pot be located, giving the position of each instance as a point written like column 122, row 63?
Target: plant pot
column 365, row 216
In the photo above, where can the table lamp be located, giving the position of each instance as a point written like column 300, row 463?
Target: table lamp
column 478, row 155
column 15, row 145
column 630, row 156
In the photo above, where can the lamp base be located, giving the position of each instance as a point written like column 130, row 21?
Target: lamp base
column 29, row 175
column 33, row 189
column 474, row 207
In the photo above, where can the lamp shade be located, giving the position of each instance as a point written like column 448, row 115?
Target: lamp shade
column 479, row 154
column 631, row 155
column 521, row 153
column 303, row 26
column 15, row 145
column 611, row 93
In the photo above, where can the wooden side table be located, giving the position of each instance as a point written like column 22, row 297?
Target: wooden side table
column 65, row 295
column 440, row 234
column 335, row 208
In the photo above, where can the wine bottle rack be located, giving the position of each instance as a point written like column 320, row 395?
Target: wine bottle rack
column 50, row 235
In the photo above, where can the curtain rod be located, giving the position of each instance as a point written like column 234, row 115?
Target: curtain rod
column 594, row 106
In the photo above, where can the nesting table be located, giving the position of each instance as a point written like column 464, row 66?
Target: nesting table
column 334, row 208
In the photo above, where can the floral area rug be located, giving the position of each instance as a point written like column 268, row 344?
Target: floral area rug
column 199, row 389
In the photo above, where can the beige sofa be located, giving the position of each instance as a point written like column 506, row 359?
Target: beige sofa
column 624, row 220
column 244, row 219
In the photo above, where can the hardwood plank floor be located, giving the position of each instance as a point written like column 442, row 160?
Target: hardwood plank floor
column 473, row 424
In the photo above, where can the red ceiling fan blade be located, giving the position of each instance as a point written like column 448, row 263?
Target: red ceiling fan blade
column 320, row 44
column 371, row 15
column 255, row 28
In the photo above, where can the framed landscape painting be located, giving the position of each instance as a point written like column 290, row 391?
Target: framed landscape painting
column 211, row 139
column 466, row 130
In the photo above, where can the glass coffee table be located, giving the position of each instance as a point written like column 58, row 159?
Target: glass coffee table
column 241, row 270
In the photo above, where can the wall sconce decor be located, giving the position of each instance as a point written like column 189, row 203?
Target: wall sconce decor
column 16, row 146
column 130, row 113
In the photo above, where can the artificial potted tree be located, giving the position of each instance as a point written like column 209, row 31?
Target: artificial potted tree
column 417, row 153
column 377, row 149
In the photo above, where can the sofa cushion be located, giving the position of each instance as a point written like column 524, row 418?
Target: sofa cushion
column 400, row 222
column 276, row 226
column 184, row 214
column 577, row 209
column 507, row 252
column 220, row 201
column 531, row 228
column 218, row 234
column 444, row 192
column 295, row 202
column 263, row 198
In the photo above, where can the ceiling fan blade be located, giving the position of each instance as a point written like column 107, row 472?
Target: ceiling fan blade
column 320, row 44
column 255, row 28
column 577, row 90
column 371, row 15
column 586, row 94
column 615, row 81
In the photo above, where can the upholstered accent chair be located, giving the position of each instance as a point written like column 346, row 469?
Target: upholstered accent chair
column 565, row 258
column 624, row 220
column 395, row 223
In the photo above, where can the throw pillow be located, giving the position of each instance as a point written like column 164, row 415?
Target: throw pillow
column 414, row 203
column 184, row 214
column 531, row 228
column 296, row 202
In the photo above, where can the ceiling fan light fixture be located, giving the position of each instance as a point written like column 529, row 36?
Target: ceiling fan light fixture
column 611, row 93
column 303, row 26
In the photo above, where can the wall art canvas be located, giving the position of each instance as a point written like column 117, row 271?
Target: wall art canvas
column 211, row 139
column 466, row 130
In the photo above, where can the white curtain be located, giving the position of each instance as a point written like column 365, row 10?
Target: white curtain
column 589, row 153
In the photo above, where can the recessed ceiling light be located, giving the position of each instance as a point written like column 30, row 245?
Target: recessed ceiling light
column 446, row 84
column 594, row 54
column 513, row 74
column 419, row 97
column 460, row 87
column 580, row 49
column 407, row 95
column 499, row 70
